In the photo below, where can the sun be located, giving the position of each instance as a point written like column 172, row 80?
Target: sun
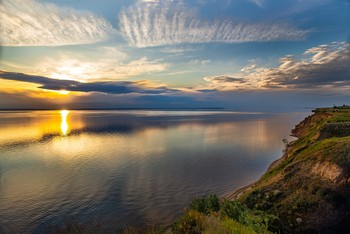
column 63, row 92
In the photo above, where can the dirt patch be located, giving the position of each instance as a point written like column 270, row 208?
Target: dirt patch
column 329, row 171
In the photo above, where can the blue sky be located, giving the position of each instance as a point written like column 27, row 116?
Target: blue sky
column 174, row 53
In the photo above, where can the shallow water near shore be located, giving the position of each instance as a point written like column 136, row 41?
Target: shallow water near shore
column 127, row 167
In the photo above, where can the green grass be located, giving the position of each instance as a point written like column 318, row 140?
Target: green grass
column 303, row 195
column 211, row 215
column 232, row 226
column 335, row 150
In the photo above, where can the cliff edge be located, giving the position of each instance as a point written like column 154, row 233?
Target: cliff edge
column 309, row 190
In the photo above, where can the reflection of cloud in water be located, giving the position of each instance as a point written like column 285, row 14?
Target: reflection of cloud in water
column 126, row 167
column 45, row 125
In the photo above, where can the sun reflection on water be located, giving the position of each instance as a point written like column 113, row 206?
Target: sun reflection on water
column 64, row 124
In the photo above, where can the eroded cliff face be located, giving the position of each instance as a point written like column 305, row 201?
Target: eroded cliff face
column 314, row 121
column 310, row 189
column 331, row 171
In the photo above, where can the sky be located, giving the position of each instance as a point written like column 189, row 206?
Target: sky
column 233, row 54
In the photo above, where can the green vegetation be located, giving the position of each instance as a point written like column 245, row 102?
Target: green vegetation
column 206, row 205
column 309, row 190
column 211, row 215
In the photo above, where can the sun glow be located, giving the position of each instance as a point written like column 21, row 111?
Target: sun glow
column 64, row 124
column 60, row 76
column 63, row 92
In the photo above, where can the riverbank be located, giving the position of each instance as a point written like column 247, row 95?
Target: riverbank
column 309, row 187
column 307, row 190
column 235, row 194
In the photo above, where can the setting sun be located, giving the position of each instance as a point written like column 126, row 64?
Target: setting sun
column 63, row 92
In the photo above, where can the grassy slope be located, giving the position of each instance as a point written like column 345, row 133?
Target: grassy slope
column 309, row 191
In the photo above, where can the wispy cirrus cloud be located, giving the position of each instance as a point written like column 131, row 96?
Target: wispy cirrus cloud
column 34, row 23
column 157, row 23
column 116, row 87
column 259, row 3
column 319, row 67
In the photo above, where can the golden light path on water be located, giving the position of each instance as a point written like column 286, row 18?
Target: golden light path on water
column 123, row 167
column 64, row 124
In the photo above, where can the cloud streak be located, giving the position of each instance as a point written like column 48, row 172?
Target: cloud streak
column 319, row 67
column 259, row 3
column 120, row 87
column 224, row 79
column 154, row 23
column 97, row 64
column 33, row 23
column 70, row 67
column 225, row 82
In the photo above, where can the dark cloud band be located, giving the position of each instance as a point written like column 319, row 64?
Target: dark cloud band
column 120, row 87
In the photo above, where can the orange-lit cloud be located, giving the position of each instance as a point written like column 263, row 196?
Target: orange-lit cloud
column 100, row 64
column 319, row 67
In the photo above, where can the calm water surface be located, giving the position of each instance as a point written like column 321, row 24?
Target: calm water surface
column 127, row 167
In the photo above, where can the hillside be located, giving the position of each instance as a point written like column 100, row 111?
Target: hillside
column 310, row 189
column 306, row 191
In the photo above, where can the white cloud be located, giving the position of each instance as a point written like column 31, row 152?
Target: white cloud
column 259, row 3
column 202, row 62
column 106, row 64
column 177, row 50
column 33, row 23
column 248, row 68
column 171, row 22
column 319, row 67
column 150, row 1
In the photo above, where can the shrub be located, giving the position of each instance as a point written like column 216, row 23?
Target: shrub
column 232, row 226
column 190, row 223
column 206, row 204
column 235, row 210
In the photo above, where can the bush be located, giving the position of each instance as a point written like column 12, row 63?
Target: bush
column 242, row 214
column 235, row 210
column 206, row 204
column 190, row 223
column 210, row 215
column 232, row 226
column 258, row 221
